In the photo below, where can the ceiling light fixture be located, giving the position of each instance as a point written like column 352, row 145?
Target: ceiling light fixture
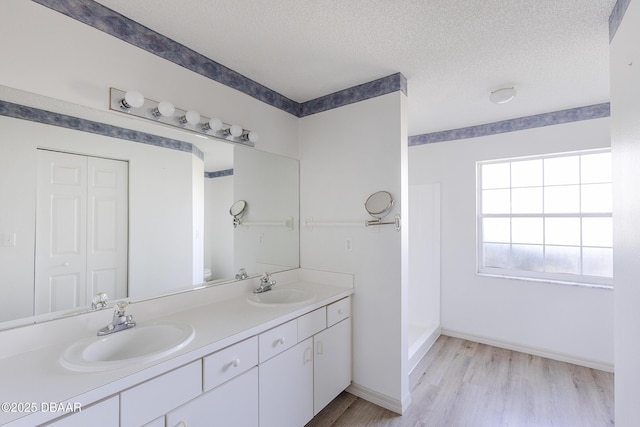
column 135, row 104
column 503, row 95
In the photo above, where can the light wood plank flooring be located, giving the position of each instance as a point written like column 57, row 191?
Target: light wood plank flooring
column 465, row 384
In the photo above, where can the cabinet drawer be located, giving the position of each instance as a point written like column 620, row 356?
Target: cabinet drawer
column 230, row 362
column 105, row 413
column 156, row 397
column 278, row 340
column 312, row 323
column 338, row 311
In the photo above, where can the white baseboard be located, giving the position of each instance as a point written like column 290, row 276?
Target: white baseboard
column 594, row 364
column 421, row 351
column 380, row 399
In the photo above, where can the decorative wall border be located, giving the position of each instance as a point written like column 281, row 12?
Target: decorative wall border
column 32, row 114
column 219, row 174
column 540, row 120
column 616, row 17
column 123, row 28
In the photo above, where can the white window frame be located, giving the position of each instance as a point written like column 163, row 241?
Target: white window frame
column 563, row 278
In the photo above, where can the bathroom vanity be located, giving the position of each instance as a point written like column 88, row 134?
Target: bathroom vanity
column 275, row 362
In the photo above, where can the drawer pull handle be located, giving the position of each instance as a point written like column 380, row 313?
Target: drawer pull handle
column 320, row 350
column 235, row 363
column 340, row 311
column 280, row 341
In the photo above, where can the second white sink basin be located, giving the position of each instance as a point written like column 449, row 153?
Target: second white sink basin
column 139, row 344
column 281, row 297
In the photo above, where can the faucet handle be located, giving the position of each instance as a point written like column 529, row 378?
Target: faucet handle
column 120, row 307
column 266, row 277
column 99, row 301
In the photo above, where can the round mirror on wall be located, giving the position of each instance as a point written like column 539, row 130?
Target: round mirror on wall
column 379, row 204
column 237, row 211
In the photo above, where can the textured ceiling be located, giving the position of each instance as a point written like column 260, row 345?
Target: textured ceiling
column 453, row 53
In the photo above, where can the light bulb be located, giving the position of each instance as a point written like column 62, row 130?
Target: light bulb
column 215, row 124
column 132, row 99
column 166, row 109
column 235, row 130
column 253, row 136
column 192, row 117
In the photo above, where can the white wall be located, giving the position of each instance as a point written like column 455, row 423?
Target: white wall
column 345, row 155
column 160, row 233
column 566, row 322
column 625, row 139
column 266, row 248
column 71, row 61
column 218, row 251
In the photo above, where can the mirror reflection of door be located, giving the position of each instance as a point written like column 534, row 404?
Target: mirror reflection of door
column 81, row 230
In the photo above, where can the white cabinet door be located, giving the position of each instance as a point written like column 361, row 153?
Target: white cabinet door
column 154, row 398
column 233, row 404
column 332, row 363
column 286, row 387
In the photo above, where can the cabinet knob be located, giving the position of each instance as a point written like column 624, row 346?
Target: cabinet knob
column 281, row 340
column 340, row 311
column 182, row 423
column 235, row 363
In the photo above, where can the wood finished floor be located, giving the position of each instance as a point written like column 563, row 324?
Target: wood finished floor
column 461, row 383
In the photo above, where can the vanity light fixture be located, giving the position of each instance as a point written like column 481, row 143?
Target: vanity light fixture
column 164, row 109
column 135, row 104
column 233, row 131
column 249, row 136
column 213, row 125
column 191, row 117
column 132, row 99
column 502, row 95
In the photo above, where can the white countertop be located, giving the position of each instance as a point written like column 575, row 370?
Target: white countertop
column 220, row 317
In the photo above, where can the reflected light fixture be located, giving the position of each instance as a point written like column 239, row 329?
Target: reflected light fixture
column 503, row 95
column 164, row 112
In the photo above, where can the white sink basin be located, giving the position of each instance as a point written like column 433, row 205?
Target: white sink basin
column 136, row 345
column 281, row 297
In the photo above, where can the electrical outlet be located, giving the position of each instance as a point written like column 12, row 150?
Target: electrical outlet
column 9, row 240
column 348, row 244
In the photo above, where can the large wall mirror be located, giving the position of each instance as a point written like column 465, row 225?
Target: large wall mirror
column 85, row 213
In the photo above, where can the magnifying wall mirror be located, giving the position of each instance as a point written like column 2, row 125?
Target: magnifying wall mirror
column 379, row 204
column 237, row 211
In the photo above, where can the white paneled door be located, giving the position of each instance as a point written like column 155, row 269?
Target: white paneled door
column 81, row 230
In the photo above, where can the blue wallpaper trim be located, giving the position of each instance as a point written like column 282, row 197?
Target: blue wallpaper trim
column 547, row 119
column 119, row 26
column 218, row 174
column 24, row 112
column 382, row 86
column 616, row 17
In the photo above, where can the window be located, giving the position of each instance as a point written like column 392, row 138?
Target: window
column 547, row 217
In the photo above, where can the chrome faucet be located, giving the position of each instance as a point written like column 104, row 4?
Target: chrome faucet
column 265, row 284
column 242, row 274
column 120, row 321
